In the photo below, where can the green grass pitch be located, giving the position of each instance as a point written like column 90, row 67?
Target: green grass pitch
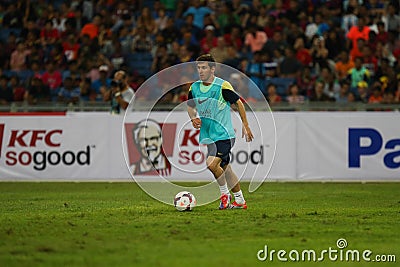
column 116, row 224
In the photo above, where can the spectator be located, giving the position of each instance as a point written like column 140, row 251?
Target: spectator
column 349, row 19
column 306, row 81
column 290, row 67
column 162, row 20
column 319, row 27
column 375, row 8
column 30, row 26
column 146, row 21
column 370, row 62
column 320, row 54
column 92, row 29
column 234, row 38
column 319, row 95
column 294, row 97
column 188, row 38
column 233, row 58
column 392, row 20
column 72, row 71
column 271, row 67
column 238, row 83
column 36, row 55
column 17, row 89
column 256, row 71
column 270, row 27
column 255, row 39
column 69, row 94
column 188, row 26
column 386, row 75
column 36, row 71
column 358, row 73
column 388, row 98
column 272, row 97
column 181, row 95
column 343, row 65
column 292, row 13
column 227, row 17
column 102, row 85
column 59, row 21
column 342, row 97
column 209, row 41
column 383, row 52
column 125, row 38
column 142, row 42
column 361, row 31
column 351, row 98
column 302, row 53
column 49, row 35
column 37, row 91
column 362, row 92
column 57, row 56
column 335, row 43
column 125, row 20
column 382, row 35
column 6, row 93
column 31, row 40
column 71, row 48
column 277, row 42
column 18, row 58
column 11, row 44
column 170, row 32
column 86, row 92
column 13, row 18
column 199, row 12
column 376, row 96
column 220, row 52
column 185, row 54
column 117, row 57
column 52, row 78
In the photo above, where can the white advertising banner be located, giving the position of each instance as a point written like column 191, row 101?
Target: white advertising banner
column 60, row 147
column 173, row 145
column 350, row 146
column 99, row 146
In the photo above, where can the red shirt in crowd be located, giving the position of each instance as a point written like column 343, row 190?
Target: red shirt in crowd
column 303, row 55
column 71, row 50
column 53, row 80
column 49, row 34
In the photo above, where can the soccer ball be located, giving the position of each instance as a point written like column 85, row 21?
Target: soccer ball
column 184, row 201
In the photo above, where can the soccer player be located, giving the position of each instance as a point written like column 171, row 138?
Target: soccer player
column 210, row 98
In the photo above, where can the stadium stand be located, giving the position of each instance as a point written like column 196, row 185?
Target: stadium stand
column 316, row 31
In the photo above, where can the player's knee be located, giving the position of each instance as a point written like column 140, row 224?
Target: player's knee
column 212, row 164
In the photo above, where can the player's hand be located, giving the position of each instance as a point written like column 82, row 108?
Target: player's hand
column 246, row 132
column 196, row 122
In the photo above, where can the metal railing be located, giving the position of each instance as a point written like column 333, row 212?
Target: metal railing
column 147, row 106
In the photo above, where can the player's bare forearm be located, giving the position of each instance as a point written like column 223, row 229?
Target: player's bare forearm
column 192, row 112
column 196, row 121
column 242, row 112
column 246, row 131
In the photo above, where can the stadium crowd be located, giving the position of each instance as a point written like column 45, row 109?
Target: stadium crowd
column 293, row 50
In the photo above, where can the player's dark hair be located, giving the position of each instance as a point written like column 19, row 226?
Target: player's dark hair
column 208, row 58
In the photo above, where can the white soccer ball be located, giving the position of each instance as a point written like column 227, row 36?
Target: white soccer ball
column 184, row 201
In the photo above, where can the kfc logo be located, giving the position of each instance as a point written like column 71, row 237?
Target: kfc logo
column 148, row 151
column 32, row 147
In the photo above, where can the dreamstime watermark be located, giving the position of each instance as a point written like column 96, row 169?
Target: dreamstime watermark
column 338, row 253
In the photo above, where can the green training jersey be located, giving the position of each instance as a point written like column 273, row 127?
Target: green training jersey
column 214, row 111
